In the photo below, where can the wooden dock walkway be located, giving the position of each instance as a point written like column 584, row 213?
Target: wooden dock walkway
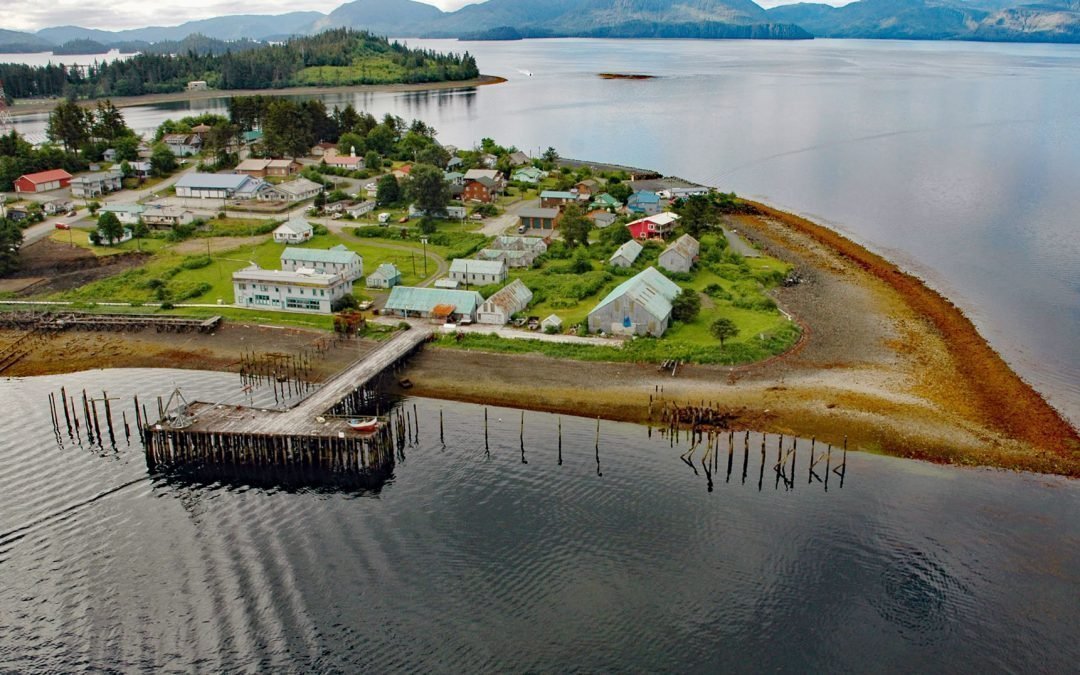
column 308, row 434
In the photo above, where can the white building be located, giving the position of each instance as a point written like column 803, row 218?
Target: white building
column 217, row 186
column 294, row 231
column 92, row 185
column 127, row 214
column 510, row 299
column 292, row 191
column 336, row 260
column 386, row 275
column 301, row 290
column 166, row 216
column 478, row 272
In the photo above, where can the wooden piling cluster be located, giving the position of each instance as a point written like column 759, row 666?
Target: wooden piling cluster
column 310, row 435
column 339, row 453
column 698, row 418
column 90, row 421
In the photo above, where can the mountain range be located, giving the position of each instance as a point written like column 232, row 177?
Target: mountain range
column 996, row 20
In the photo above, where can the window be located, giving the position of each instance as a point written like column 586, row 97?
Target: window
column 302, row 303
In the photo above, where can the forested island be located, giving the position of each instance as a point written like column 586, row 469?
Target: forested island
column 339, row 57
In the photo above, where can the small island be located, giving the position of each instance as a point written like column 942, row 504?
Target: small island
column 626, row 76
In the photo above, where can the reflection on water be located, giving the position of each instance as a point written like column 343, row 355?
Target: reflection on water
column 532, row 547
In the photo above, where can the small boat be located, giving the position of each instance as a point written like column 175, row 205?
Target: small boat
column 371, row 424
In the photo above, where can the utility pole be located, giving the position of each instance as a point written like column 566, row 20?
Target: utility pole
column 423, row 240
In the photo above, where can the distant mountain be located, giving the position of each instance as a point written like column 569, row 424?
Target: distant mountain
column 582, row 17
column 937, row 20
column 396, row 18
column 14, row 42
column 236, row 27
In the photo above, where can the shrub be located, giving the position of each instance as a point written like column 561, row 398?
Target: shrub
column 195, row 262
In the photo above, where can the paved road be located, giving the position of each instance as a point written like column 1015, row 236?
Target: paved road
column 508, row 221
column 511, row 333
column 740, row 245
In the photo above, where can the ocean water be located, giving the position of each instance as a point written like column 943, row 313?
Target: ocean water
column 959, row 161
column 622, row 555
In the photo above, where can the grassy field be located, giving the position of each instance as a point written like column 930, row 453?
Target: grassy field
column 368, row 70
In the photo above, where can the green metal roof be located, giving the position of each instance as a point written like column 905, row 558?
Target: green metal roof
column 319, row 255
column 557, row 194
column 649, row 288
column 409, row 298
column 386, row 271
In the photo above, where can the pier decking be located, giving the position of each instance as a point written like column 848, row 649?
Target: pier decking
column 308, row 434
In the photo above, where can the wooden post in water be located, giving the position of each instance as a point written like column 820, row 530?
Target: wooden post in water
column 64, row 402
column 416, row 424
column 561, row 441
column 487, row 447
column 442, row 439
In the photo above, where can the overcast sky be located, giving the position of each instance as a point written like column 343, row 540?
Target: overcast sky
column 120, row 14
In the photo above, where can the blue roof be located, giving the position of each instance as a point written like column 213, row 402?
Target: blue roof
column 556, row 194
column 409, row 298
column 213, row 181
column 645, row 196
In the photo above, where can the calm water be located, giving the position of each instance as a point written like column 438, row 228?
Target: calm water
column 465, row 562
column 959, row 161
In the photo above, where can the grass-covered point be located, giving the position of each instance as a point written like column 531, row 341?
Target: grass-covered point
column 334, row 57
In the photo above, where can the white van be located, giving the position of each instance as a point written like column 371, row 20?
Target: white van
column 384, row 218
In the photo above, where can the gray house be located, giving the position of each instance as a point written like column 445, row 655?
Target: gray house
column 640, row 305
column 680, row 255
column 478, row 272
column 625, row 255
column 385, row 276
column 510, row 299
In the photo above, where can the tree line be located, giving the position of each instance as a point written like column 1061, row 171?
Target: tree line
column 267, row 67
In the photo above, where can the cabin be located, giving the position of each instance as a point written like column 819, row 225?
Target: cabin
column 532, row 218
column 507, row 301
column 402, row 172
column 442, row 304
column 603, row 219
column 587, row 188
column 386, row 275
column 43, row 181
column 478, row 272
column 555, row 199
column 491, row 174
column 605, row 201
column 640, row 305
column 93, row 185
column 323, row 149
column 294, row 231
column 680, row 255
column 625, row 255
column 197, row 85
column 302, row 290
column 336, row 260
column 519, row 158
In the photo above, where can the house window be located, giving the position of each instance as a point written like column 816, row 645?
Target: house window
column 302, row 303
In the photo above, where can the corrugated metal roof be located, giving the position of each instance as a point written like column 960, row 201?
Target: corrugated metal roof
column 685, row 245
column 320, row 255
column 629, row 250
column 385, row 271
column 649, row 288
column 512, row 297
column 412, row 299
column 557, row 194
column 295, row 226
column 46, row 176
column 469, row 266
column 304, row 278
column 213, row 181
column 123, row 208
column 645, row 196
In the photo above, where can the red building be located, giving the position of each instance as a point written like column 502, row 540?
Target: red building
column 653, row 227
column 43, row 181
column 479, row 190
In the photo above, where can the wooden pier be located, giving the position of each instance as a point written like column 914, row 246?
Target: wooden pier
column 61, row 321
column 312, row 433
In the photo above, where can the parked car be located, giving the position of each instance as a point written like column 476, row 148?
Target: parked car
column 521, row 229
column 384, row 218
column 63, row 226
column 72, row 214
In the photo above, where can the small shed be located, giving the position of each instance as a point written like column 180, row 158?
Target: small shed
column 510, row 299
column 625, row 255
column 386, row 275
column 550, row 323
column 447, row 282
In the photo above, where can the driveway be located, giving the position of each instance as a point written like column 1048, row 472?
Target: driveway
column 508, row 221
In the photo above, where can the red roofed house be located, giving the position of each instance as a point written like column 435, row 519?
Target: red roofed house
column 350, row 162
column 43, row 182
column 402, row 171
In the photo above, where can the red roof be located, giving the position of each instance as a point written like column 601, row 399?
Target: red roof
column 46, row 176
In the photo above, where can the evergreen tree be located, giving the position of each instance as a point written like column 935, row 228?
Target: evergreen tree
column 388, row 191
column 68, row 125
column 10, row 241
column 162, row 160
column 109, row 227
column 427, row 189
column 574, row 226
